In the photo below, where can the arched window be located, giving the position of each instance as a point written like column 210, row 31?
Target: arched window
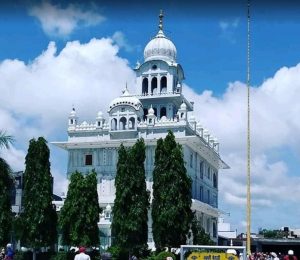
column 145, row 113
column 215, row 181
column 131, row 123
column 123, row 122
column 145, row 86
column 154, row 85
column 71, row 121
column 163, row 112
column 163, row 84
column 113, row 124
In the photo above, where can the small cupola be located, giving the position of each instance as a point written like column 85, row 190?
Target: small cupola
column 73, row 118
column 151, row 118
column 99, row 120
column 182, row 112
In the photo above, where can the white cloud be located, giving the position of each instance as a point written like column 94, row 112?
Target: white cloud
column 121, row 41
column 14, row 157
column 37, row 102
column 274, row 127
column 61, row 22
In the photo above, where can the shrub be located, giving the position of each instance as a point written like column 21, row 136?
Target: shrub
column 164, row 255
column 118, row 253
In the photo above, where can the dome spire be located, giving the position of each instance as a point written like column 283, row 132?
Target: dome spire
column 161, row 16
column 125, row 92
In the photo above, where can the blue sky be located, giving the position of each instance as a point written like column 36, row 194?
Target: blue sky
column 57, row 54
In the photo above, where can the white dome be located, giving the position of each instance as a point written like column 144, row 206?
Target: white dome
column 192, row 118
column 151, row 111
column 100, row 114
column 126, row 99
column 108, row 207
column 73, row 113
column 160, row 47
column 183, row 106
column 199, row 126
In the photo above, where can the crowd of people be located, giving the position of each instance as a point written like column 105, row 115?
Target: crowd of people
column 273, row 256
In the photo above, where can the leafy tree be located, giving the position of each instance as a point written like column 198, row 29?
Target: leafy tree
column 38, row 219
column 91, row 233
column 6, row 183
column 273, row 233
column 199, row 235
column 80, row 214
column 171, row 205
column 130, row 211
column 120, row 209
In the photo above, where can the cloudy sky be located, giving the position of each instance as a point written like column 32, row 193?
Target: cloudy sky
column 55, row 55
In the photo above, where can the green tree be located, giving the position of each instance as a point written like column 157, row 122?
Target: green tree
column 120, row 208
column 80, row 214
column 130, row 211
column 6, row 183
column 171, row 205
column 199, row 235
column 38, row 219
column 91, row 233
column 273, row 233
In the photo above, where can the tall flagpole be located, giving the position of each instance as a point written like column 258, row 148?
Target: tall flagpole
column 248, row 137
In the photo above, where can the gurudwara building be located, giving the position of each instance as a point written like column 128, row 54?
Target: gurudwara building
column 159, row 106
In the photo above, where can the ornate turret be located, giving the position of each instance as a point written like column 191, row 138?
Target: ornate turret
column 99, row 120
column 160, row 47
column 151, row 118
column 73, row 118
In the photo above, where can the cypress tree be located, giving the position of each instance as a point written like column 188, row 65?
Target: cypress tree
column 171, row 205
column 80, row 214
column 38, row 218
column 91, row 229
column 130, row 211
column 70, row 209
column 120, row 208
column 138, row 214
column 6, row 183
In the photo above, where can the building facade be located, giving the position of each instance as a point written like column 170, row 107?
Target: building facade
column 159, row 106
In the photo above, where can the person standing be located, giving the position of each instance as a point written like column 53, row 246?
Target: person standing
column 2, row 254
column 82, row 255
column 290, row 256
column 9, row 252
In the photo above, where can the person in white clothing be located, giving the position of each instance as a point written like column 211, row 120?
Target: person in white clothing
column 82, row 255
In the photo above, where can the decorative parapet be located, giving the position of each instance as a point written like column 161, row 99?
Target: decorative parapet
column 87, row 127
column 194, row 126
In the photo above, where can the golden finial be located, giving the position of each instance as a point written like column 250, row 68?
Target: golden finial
column 161, row 16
